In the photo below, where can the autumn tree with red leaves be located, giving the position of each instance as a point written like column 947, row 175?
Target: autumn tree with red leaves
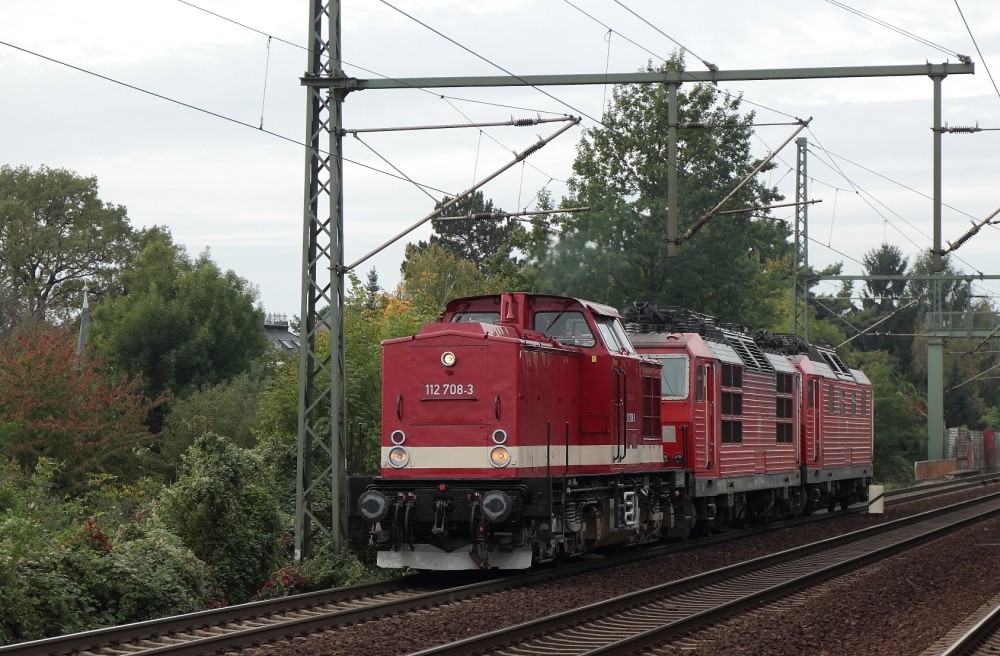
column 66, row 407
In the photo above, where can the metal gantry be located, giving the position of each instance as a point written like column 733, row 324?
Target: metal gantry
column 321, row 467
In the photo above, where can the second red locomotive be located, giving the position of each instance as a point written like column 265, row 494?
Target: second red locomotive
column 761, row 425
column 521, row 427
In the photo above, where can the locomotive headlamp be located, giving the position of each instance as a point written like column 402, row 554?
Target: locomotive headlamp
column 397, row 437
column 373, row 505
column 499, row 436
column 448, row 359
column 398, row 457
column 496, row 505
column 678, row 458
column 499, row 457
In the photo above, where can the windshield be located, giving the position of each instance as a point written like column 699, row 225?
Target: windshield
column 565, row 327
column 477, row 317
column 673, row 376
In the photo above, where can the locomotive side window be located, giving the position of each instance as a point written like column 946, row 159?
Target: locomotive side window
column 565, row 327
column 699, row 383
column 650, row 408
column 674, row 376
column 614, row 335
column 476, row 317
column 783, row 411
column 830, row 390
column 732, row 403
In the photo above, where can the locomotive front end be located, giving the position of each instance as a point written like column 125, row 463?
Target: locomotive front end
column 450, row 494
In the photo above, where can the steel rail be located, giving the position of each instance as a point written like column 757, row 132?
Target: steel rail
column 982, row 638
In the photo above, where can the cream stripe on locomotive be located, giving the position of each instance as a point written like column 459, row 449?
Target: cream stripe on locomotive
column 477, row 457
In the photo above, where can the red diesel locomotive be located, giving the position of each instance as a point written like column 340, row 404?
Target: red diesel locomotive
column 521, row 427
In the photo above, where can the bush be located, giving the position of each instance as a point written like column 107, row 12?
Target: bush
column 157, row 576
column 60, row 572
column 223, row 511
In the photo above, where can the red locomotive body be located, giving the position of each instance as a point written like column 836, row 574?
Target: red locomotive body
column 517, row 427
column 836, row 426
column 729, row 413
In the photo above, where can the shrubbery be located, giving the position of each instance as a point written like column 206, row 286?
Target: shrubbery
column 61, row 572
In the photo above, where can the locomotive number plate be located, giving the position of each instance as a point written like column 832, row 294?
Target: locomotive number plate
column 448, row 389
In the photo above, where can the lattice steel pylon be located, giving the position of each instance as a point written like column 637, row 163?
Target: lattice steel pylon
column 800, row 255
column 321, row 469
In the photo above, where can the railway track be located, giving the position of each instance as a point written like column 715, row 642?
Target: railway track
column 656, row 615
column 982, row 638
column 281, row 619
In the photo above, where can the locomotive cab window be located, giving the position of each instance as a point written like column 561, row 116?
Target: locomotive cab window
column 565, row 327
column 476, row 317
column 674, row 381
column 614, row 335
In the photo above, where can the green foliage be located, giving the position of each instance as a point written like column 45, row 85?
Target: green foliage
column 323, row 570
column 735, row 267
column 490, row 242
column 60, row 571
column 899, row 421
column 66, row 407
column 227, row 409
column 370, row 317
column 156, row 575
column 224, row 511
column 56, row 235
column 184, row 324
column 433, row 276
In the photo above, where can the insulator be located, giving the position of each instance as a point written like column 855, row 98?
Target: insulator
column 531, row 149
column 525, row 122
column 964, row 129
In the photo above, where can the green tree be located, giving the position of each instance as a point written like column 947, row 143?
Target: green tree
column 228, row 409
column 56, row 236
column 433, row 276
column 736, row 267
column 224, row 511
column 900, row 417
column 58, row 405
column 182, row 323
column 489, row 240
column 885, row 260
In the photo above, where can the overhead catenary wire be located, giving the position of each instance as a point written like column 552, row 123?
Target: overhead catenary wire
column 513, row 122
column 978, row 51
column 444, row 97
column 202, row 110
column 485, row 59
column 899, row 30
column 710, row 66
column 864, row 195
column 541, row 143
column 705, row 218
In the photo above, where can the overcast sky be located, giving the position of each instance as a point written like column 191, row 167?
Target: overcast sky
column 207, row 171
